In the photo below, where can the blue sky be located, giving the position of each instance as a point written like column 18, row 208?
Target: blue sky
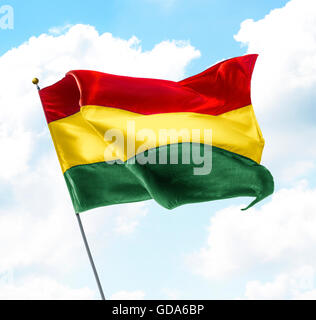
column 208, row 24
column 201, row 251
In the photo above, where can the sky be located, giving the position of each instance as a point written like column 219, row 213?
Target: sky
column 142, row 251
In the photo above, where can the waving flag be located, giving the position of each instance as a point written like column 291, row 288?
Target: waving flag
column 122, row 139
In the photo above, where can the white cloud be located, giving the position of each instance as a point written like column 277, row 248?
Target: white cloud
column 38, row 228
column 128, row 219
column 277, row 238
column 284, row 81
column 42, row 288
column 59, row 29
column 16, row 146
column 128, row 295
column 298, row 284
column 281, row 232
column 298, row 170
column 49, row 57
column 172, row 294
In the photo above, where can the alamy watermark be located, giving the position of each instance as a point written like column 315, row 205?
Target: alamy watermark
column 6, row 278
column 141, row 147
column 6, row 17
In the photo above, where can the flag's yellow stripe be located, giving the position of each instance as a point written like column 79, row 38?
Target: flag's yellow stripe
column 79, row 139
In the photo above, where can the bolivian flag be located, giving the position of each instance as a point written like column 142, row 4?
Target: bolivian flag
column 123, row 139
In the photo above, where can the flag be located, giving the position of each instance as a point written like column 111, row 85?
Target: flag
column 122, row 139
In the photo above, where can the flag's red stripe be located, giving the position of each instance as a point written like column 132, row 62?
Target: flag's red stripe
column 61, row 99
column 219, row 89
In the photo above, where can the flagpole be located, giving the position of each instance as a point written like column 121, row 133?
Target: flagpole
column 35, row 81
column 90, row 256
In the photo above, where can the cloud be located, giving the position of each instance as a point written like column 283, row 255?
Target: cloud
column 298, row 170
column 127, row 221
column 128, row 295
column 296, row 285
column 172, row 294
column 38, row 229
column 42, row 288
column 59, row 29
column 16, row 145
column 276, row 238
column 284, row 82
column 49, row 57
column 280, row 233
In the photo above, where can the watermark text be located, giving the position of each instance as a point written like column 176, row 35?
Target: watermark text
column 174, row 147
column 6, row 17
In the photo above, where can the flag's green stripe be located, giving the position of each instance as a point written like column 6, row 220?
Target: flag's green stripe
column 171, row 185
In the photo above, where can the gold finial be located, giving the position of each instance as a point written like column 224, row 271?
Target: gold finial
column 36, row 82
